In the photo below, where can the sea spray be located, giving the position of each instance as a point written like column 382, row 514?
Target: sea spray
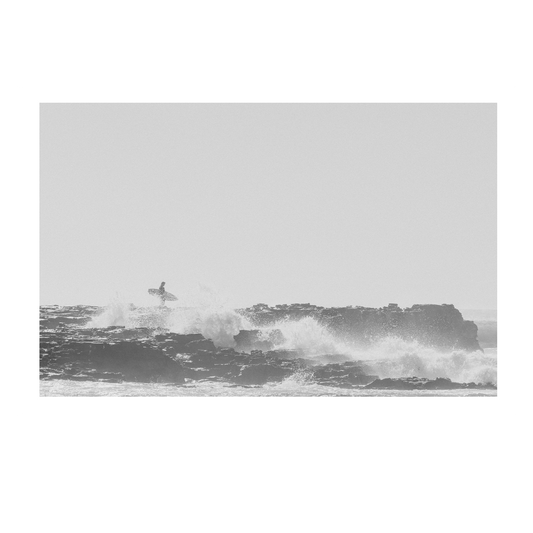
column 388, row 356
column 131, row 353
column 306, row 337
column 214, row 322
column 206, row 310
column 116, row 313
column 426, row 362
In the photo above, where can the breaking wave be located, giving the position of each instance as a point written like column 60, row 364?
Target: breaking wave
column 214, row 322
column 386, row 357
column 307, row 338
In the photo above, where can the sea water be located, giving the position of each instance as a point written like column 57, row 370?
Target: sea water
column 387, row 357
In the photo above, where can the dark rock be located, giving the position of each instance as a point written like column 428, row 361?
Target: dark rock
column 76, row 352
column 249, row 340
column 415, row 383
column 130, row 360
column 261, row 374
column 283, row 354
column 200, row 345
column 346, row 375
column 439, row 326
column 178, row 339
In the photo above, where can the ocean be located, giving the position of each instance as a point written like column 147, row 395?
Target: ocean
column 286, row 388
column 125, row 350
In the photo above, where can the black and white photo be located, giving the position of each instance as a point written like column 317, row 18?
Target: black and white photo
column 268, row 249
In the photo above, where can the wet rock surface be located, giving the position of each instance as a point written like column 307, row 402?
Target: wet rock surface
column 117, row 354
column 415, row 383
column 438, row 326
column 71, row 349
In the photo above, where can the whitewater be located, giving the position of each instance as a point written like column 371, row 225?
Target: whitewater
column 303, row 339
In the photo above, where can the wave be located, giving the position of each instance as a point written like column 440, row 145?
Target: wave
column 395, row 358
column 215, row 322
column 306, row 337
column 386, row 357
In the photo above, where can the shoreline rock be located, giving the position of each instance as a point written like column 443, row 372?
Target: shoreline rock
column 416, row 383
column 439, row 326
column 180, row 359
column 68, row 350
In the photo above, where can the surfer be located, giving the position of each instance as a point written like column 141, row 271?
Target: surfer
column 162, row 292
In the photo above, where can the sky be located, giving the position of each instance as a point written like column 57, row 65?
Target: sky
column 332, row 204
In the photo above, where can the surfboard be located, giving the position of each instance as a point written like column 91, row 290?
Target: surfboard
column 167, row 296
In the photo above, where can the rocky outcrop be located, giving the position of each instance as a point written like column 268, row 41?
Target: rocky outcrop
column 438, row 326
column 69, row 349
column 415, row 383
column 248, row 340
column 118, row 354
column 53, row 316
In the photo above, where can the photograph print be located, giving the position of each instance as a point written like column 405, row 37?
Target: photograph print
column 261, row 249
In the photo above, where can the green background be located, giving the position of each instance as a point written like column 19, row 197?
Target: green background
column 258, row 474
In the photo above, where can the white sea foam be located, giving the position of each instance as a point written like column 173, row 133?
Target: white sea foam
column 386, row 357
column 306, row 337
column 392, row 357
column 217, row 323
column 213, row 319
column 116, row 313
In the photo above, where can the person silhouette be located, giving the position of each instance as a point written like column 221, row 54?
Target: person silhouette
column 162, row 292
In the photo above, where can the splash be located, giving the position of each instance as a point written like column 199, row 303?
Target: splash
column 394, row 358
column 386, row 357
column 306, row 337
column 212, row 320
column 217, row 323
column 116, row 313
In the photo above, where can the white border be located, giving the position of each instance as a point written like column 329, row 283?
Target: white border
column 30, row 96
